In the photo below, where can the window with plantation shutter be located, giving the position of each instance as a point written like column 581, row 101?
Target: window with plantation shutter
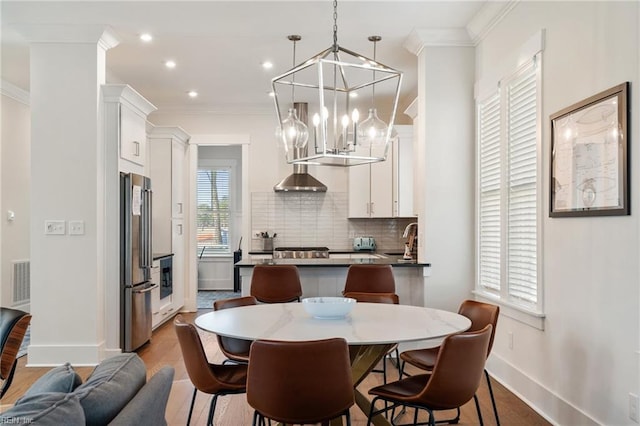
column 508, row 210
column 490, row 180
column 213, row 211
column 522, row 206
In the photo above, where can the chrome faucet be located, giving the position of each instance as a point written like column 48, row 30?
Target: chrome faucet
column 408, row 229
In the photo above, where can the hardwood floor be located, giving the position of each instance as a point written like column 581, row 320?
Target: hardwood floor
column 233, row 410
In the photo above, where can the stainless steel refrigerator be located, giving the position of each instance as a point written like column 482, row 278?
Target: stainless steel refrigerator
column 136, row 260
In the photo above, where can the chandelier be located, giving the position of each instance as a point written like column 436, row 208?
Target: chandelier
column 337, row 84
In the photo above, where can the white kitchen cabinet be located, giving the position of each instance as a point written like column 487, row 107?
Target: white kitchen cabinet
column 126, row 114
column 178, row 248
column 385, row 189
column 167, row 157
column 403, row 175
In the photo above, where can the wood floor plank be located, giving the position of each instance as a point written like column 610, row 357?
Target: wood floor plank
column 233, row 410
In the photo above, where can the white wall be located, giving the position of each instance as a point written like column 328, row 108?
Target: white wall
column 582, row 367
column 15, row 179
column 446, row 148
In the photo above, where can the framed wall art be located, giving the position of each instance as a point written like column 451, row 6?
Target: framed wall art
column 589, row 164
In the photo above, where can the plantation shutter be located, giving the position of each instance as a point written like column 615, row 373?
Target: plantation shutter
column 489, row 193
column 213, row 188
column 522, row 177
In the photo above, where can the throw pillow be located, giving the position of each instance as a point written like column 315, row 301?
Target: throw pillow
column 59, row 379
column 110, row 387
column 45, row 409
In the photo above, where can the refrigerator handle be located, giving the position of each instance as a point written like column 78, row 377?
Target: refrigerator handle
column 146, row 256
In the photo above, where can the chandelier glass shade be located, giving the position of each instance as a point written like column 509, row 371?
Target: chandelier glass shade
column 339, row 86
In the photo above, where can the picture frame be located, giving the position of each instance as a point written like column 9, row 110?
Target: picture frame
column 589, row 170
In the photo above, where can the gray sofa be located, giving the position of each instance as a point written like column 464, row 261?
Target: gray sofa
column 116, row 393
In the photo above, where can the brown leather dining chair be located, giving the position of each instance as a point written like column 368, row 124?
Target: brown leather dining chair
column 236, row 350
column 481, row 314
column 370, row 279
column 13, row 327
column 276, row 283
column 453, row 381
column 206, row 377
column 300, row 382
column 390, row 298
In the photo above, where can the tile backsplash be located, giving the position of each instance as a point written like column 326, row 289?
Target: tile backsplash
column 320, row 220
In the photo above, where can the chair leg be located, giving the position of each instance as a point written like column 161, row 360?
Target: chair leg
column 398, row 364
column 475, row 399
column 212, row 410
column 193, row 401
column 348, row 417
column 493, row 401
column 255, row 418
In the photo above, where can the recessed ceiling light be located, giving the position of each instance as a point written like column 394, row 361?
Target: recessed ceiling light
column 271, row 94
column 192, row 94
column 170, row 64
column 353, row 95
column 146, row 37
column 267, row 65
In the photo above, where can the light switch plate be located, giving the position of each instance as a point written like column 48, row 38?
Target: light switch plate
column 76, row 227
column 54, row 227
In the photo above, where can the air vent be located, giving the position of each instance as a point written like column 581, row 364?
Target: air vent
column 21, row 280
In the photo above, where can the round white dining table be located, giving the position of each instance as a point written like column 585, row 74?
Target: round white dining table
column 366, row 324
column 370, row 329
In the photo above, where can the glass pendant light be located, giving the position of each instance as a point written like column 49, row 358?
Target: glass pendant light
column 293, row 132
column 373, row 131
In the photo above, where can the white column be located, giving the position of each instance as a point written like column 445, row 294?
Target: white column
column 445, row 164
column 67, row 181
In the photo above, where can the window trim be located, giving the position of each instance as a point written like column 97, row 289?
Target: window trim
column 532, row 315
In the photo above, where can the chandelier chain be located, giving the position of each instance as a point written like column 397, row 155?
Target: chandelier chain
column 335, row 25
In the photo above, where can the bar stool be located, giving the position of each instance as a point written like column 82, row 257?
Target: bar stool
column 370, row 279
column 276, row 283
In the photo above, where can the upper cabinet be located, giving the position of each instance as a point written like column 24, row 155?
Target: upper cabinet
column 167, row 170
column 126, row 114
column 384, row 189
column 370, row 188
column 403, row 191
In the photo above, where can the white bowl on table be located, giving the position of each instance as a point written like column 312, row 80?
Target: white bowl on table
column 328, row 307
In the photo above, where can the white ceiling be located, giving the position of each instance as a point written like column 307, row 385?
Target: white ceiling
column 219, row 45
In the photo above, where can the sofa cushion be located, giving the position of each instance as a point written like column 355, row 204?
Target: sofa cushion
column 59, row 379
column 110, row 387
column 46, row 409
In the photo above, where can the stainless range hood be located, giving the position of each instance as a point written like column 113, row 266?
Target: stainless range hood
column 300, row 180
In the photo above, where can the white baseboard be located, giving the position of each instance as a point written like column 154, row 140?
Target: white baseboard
column 76, row 355
column 545, row 402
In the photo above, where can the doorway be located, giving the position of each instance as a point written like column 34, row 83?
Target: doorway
column 219, row 188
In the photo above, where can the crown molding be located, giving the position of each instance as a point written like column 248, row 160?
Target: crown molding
column 14, row 92
column 55, row 33
column 418, row 39
column 222, row 110
column 169, row 132
column 476, row 30
column 488, row 17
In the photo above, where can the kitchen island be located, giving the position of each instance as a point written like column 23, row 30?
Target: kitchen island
column 326, row 277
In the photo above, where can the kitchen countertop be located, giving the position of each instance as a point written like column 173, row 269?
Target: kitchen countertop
column 398, row 252
column 393, row 260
